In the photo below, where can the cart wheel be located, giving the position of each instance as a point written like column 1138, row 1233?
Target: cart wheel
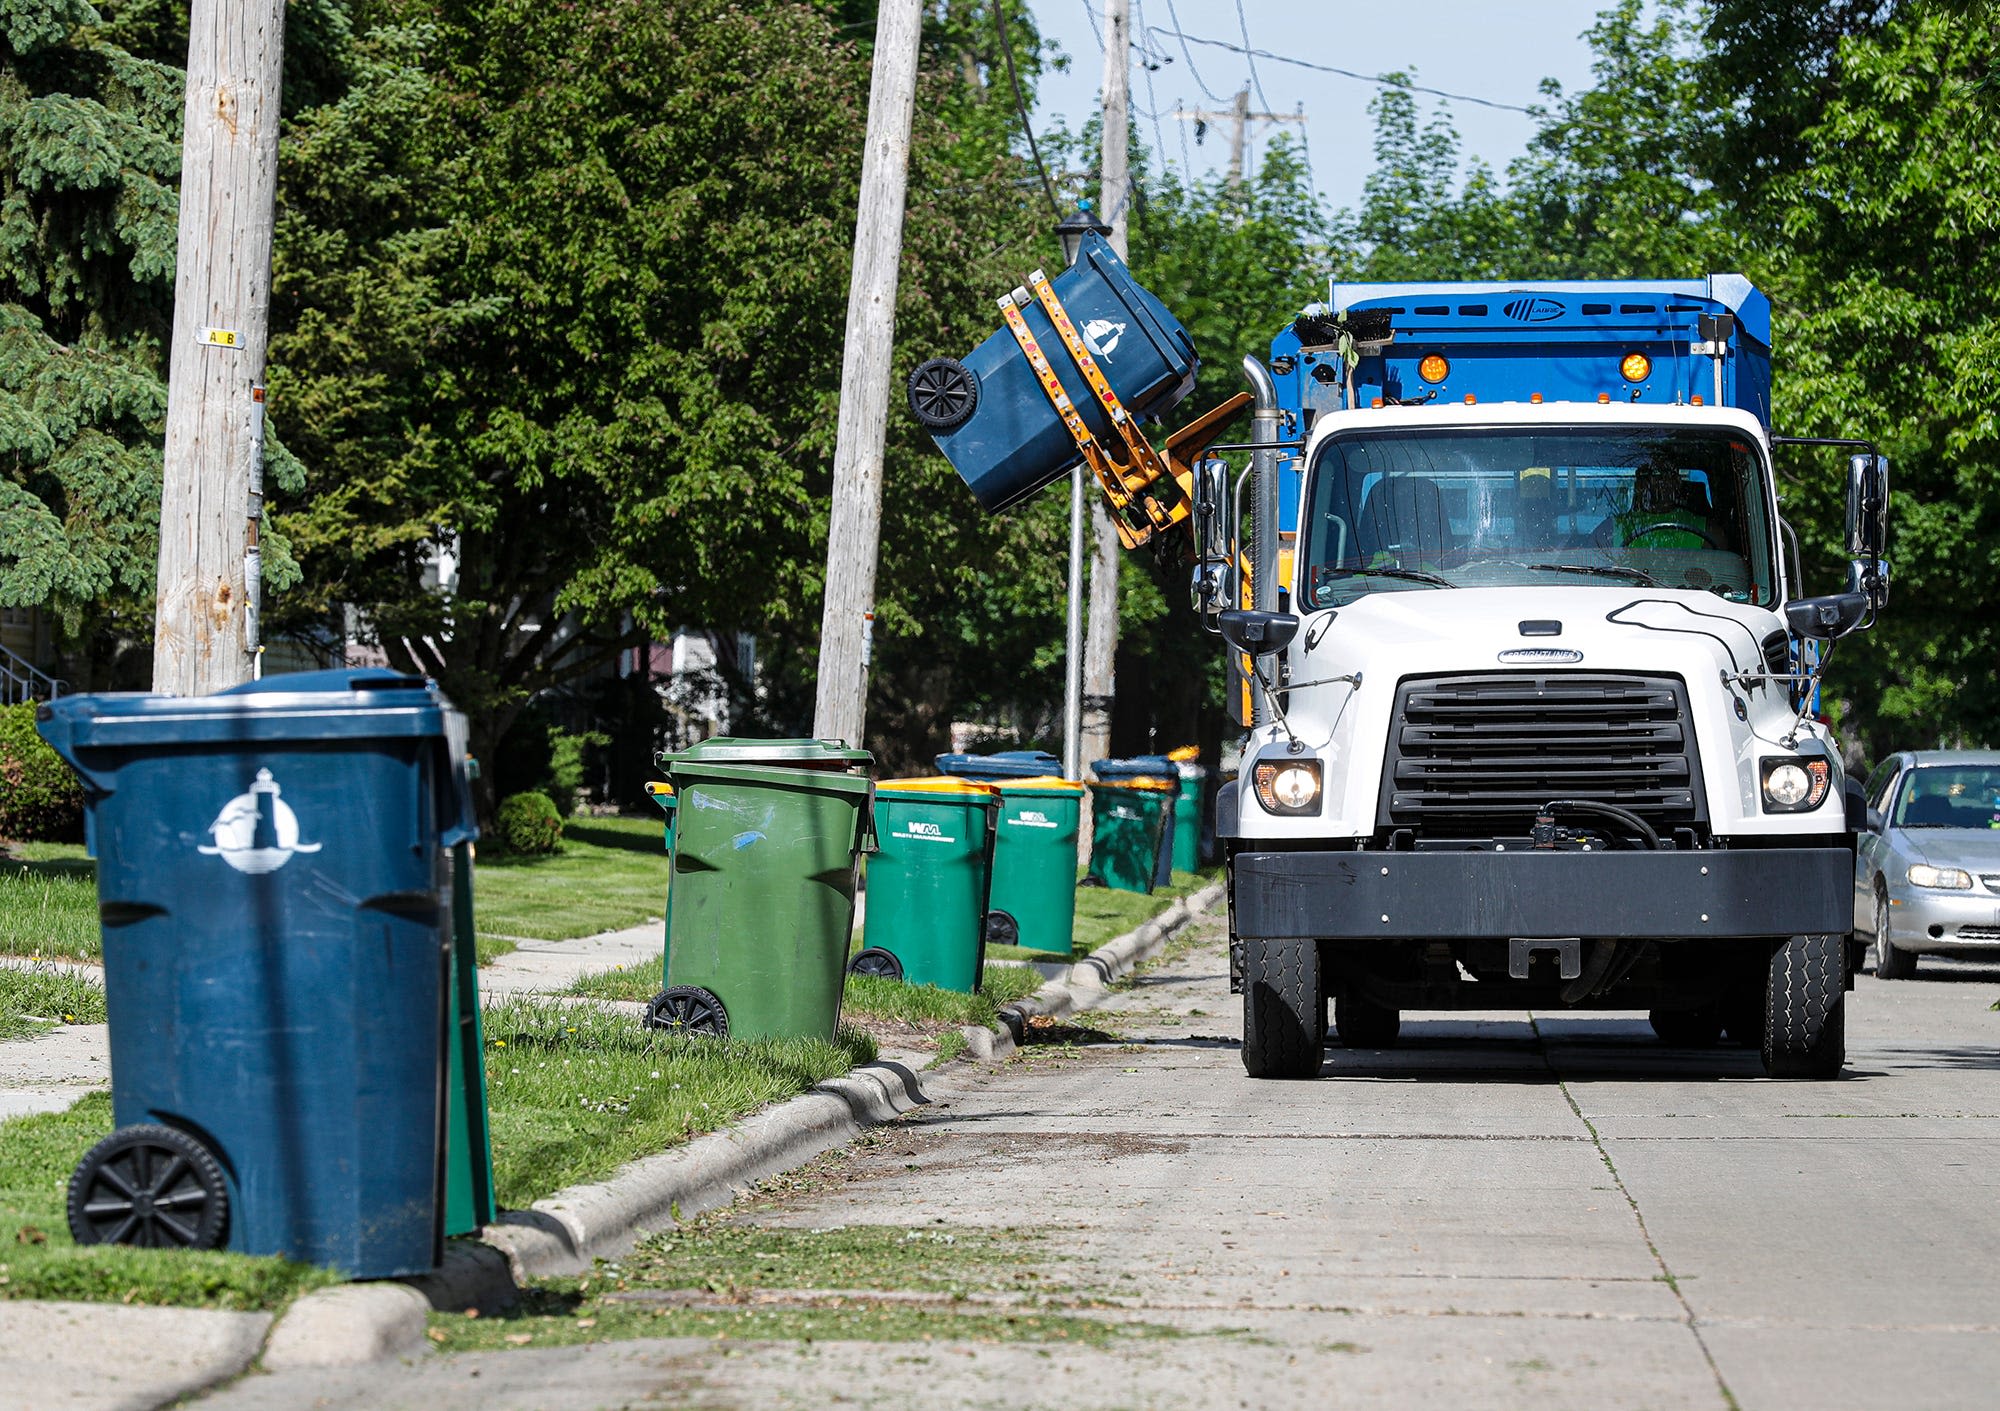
column 943, row 394
column 880, row 963
column 688, row 1009
column 1002, row 929
column 151, row 1186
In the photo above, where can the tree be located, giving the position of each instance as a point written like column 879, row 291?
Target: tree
column 87, row 211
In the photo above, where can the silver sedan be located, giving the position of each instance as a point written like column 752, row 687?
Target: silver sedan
column 1927, row 873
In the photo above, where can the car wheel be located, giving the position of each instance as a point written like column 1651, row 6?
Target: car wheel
column 1890, row 963
column 1360, row 1023
column 1805, row 1009
column 1284, row 1009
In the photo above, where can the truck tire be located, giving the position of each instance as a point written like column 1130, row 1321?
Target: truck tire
column 1805, row 1009
column 1890, row 963
column 1284, row 1009
column 1360, row 1023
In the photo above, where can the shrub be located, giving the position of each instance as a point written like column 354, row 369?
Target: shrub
column 40, row 800
column 528, row 823
column 565, row 782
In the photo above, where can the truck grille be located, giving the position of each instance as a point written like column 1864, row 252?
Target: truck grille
column 1475, row 756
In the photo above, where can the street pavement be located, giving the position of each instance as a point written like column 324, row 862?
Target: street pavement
column 1507, row 1210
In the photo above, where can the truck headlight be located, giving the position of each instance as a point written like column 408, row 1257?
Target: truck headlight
column 1288, row 786
column 1796, row 785
column 1949, row 879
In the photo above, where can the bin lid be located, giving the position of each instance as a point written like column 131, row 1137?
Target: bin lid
column 1007, row 764
column 1186, row 754
column 791, row 754
column 307, row 705
column 938, row 785
column 1146, row 782
column 1042, row 784
column 661, row 794
column 1145, row 766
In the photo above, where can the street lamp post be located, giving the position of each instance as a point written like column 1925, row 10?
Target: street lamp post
column 1070, row 230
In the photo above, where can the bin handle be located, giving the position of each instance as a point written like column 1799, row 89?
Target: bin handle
column 869, row 842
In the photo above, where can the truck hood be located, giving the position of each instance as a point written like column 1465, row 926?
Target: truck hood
column 1614, row 628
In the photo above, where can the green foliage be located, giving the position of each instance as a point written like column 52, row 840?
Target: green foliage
column 87, row 231
column 33, row 999
column 40, row 799
column 528, row 824
column 48, row 902
column 566, row 765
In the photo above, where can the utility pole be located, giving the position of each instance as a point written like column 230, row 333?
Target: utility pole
column 1114, row 196
column 205, row 624
column 854, row 524
column 1239, row 117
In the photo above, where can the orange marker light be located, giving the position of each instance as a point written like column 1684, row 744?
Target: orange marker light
column 1604, row 399
column 1375, row 402
column 1635, row 367
column 1697, row 399
column 1535, row 397
column 1434, row 368
column 1470, row 399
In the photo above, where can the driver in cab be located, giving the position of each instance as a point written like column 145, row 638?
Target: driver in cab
column 1661, row 515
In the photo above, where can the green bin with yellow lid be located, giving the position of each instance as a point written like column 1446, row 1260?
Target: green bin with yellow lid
column 928, row 880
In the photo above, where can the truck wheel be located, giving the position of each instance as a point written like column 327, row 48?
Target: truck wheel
column 1360, row 1023
column 1284, row 1009
column 1805, row 1010
column 1688, row 1028
column 1890, row 963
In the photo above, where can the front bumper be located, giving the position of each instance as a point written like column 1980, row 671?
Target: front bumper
column 1751, row 892
column 1964, row 921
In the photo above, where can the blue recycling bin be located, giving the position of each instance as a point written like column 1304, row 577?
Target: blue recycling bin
column 1007, row 764
column 276, row 875
column 1148, row 766
column 989, row 414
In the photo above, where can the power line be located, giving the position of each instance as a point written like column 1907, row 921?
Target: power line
column 1152, row 98
column 1096, row 29
column 1186, row 53
column 1243, row 24
column 1021, row 107
column 1380, row 80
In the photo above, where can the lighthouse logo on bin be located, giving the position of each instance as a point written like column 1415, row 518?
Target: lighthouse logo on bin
column 1102, row 335
column 257, row 832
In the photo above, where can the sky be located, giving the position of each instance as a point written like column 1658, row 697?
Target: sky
column 1492, row 51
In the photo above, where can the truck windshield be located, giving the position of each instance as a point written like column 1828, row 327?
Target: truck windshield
column 1416, row 511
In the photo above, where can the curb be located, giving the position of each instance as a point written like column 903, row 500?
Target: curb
column 566, row 1232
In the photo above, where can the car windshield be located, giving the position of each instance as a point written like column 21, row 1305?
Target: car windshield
column 1416, row 511
column 1950, row 796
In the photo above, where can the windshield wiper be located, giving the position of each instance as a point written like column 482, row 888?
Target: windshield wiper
column 1414, row 575
column 1600, row 570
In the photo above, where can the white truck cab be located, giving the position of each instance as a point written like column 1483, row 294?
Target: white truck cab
column 1529, row 684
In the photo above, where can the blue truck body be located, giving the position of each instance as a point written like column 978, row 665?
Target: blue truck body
column 1559, row 341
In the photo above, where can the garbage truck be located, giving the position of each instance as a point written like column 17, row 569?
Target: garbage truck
column 1517, row 630
column 1528, row 672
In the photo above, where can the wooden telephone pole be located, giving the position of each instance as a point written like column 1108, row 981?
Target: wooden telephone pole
column 855, row 522
column 1100, row 651
column 205, row 624
column 1239, row 117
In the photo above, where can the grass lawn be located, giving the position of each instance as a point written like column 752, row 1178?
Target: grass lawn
column 32, row 1001
column 38, row 1259
column 48, row 901
column 577, row 1092
column 611, row 873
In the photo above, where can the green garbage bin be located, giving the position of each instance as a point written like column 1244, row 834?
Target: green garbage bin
column 1127, row 820
column 928, row 881
column 767, row 835
column 1034, row 864
column 1187, row 809
column 663, row 795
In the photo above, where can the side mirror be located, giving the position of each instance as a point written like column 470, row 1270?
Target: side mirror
column 1877, row 821
column 1209, row 591
column 1211, row 516
column 1834, row 615
column 1867, row 507
column 1870, row 578
column 1257, row 633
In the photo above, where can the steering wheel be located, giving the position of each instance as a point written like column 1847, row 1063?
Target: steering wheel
column 1669, row 526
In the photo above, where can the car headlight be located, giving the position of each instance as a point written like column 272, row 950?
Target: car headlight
column 1796, row 785
column 1950, row 879
column 1288, row 786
